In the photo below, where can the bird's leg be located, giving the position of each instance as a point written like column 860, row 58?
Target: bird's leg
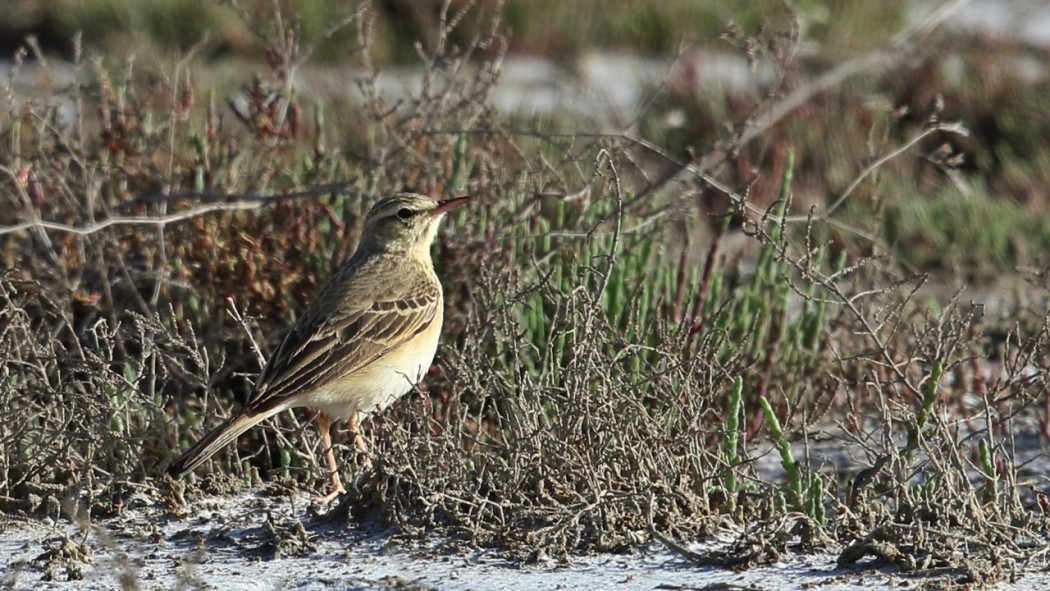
column 324, row 423
column 359, row 441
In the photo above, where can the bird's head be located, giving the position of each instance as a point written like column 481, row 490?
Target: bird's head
column 405, row 222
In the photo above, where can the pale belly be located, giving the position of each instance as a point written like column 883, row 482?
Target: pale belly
column 381, row 383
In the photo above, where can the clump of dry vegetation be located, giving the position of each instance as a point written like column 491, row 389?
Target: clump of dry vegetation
column 605, row 379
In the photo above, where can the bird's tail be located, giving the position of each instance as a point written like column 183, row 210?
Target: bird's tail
column 218, row 438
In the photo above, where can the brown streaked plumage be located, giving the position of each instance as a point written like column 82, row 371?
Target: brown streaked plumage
column 367, row 339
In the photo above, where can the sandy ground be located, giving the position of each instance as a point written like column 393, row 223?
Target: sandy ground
column 252, row 540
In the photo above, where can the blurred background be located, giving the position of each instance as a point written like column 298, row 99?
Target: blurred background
column 674, row 73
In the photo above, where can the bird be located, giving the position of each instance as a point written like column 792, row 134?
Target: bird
column 367, row 338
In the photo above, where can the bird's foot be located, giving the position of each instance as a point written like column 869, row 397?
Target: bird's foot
column 337, row 489
column 327, row 499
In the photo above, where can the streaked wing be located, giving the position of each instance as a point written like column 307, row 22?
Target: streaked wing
column 325, row 347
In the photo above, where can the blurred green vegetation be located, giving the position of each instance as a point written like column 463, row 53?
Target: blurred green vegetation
column 970, row 236
column 548, row 28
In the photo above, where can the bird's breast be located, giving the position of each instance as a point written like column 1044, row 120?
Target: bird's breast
column 380, row 383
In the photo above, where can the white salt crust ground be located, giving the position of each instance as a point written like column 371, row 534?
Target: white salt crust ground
column 146, row 548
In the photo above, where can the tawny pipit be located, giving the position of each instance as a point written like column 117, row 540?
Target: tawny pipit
column 366, row 340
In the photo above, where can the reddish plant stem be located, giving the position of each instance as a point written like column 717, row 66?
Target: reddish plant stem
column 679, row 290
column 697, row 320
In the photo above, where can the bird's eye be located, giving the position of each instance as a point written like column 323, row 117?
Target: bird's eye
column 405, row 213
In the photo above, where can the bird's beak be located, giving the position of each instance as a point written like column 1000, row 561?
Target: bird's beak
column 447, row 205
